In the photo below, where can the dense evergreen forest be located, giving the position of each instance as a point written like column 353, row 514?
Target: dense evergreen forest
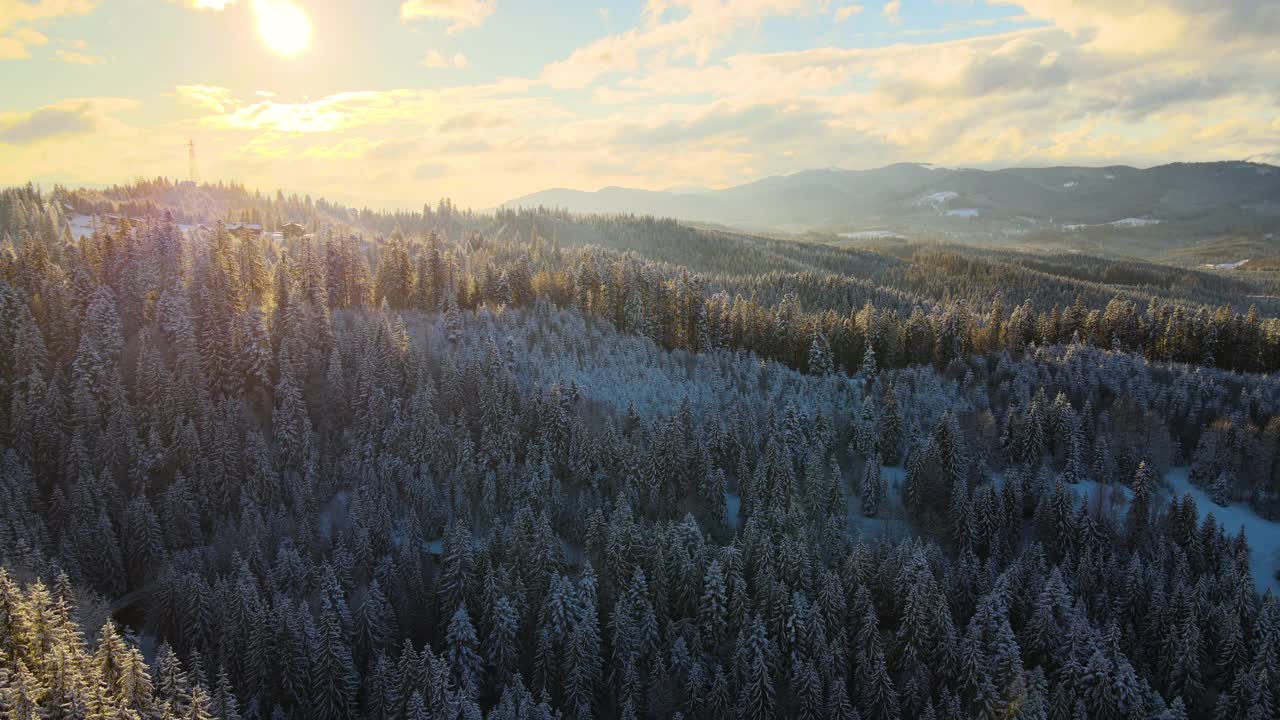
column 532, row 465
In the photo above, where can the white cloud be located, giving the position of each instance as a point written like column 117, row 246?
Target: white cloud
column 437, row 59
column 17, row 44
column 79, row 57
column 77, row 53
column 460, row 14
column 17, row 36
column 70, row 117
column 892, row 11
column 695, row 30
column 847, row 12
column 15, row 12
column 211, row 97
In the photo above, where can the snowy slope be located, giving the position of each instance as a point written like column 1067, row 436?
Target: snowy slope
column 1263, row 535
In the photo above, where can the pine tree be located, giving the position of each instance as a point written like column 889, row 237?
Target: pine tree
column 223, row 704
column 464, row 660
column 820, row 356
column 872, row 487
column 502, row 643
column 753, row 669
column 333, row 676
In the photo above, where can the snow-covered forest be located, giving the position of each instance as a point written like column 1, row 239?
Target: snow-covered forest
column 533, row 465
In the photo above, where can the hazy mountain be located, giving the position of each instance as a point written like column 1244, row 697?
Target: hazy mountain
column 912, row 195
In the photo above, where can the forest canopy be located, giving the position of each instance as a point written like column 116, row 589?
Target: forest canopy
column 536, row 465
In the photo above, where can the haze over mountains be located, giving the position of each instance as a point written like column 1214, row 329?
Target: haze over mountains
column 1209, row 196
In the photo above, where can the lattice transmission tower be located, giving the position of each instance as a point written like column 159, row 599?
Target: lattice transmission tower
column 193, row 173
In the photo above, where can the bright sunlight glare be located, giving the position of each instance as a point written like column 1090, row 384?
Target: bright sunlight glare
column 283, row 25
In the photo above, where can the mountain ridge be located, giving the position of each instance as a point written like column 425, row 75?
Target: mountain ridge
column 909, row 195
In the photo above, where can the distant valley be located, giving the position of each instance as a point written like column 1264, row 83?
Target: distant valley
column 1177, row 205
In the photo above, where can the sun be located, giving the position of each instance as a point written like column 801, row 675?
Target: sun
column 284, row 27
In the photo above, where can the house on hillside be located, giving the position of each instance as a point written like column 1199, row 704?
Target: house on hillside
column 244, row 230
column 292, row 231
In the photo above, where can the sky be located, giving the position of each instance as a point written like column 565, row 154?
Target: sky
column 393, row 103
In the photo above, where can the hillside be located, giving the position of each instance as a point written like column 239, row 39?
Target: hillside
column 1177, row 201
column 534, row 465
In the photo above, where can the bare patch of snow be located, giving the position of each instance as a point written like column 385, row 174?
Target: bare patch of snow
column 1227, row 265
column 1071, row 184
column 1263, row 535
column 732, row 506
column 1131, row 222
column 937, row 199
column 1134, row 222
column 963, row 212
column 81, row 225
column 872, row 235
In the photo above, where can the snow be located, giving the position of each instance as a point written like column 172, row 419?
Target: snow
column 1134, row 222
column 1109, row 177
column 1227, row 266
column 1130, row 222
column 938, row 198
column 81, row 225
column 732, row 503
column 963, row 212
column 872, row 235
column 890, row 521
column 1071, row 184
column 1092, row 490
column 1263, row 535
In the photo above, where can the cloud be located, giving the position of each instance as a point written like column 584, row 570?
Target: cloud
column 46, row 123
column 892, row 11
column 357, row 109
column 477, row 120
column 460, row 14
column 1145, row 26
column 437, row 59
column 17, row 44
column 847, row 12
column 17, row 37
column 15, row 12
column 213, row 5
column 76, row 57
column 429, row 171
column 212, row 97
column 78, row 54
column 699, row 28
column 683, row 96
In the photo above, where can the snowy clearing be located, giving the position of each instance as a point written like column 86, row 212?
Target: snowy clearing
column 1130, row 222
column 1263, row 535
column 1134, row 222
column 872, row 235
column 732, row 505
column 1228, row 265
column 937, row 199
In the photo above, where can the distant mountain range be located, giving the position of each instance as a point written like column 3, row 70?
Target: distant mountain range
column 1200, row 197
